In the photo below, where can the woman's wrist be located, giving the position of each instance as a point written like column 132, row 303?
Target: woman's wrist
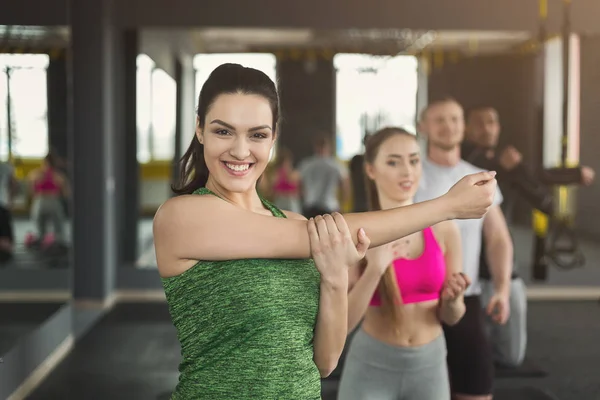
column 339, row 280
column 450, row 304
column 375, row 270
column 444, row 207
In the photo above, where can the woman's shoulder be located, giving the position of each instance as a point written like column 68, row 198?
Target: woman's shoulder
column 445, row 229
column 186, row 206
column 293, row 215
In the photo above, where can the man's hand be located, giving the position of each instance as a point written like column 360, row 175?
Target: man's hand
column 510, row 158
column 587, row 175
column 499, row 308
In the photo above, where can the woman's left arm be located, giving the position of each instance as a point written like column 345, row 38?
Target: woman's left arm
column 334, row 252
column 331, row 329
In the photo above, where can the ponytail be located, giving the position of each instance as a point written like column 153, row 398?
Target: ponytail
column 193, row 171
column 388, row 289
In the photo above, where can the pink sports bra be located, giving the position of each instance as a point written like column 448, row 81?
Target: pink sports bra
column 46, row 185
column 420, row 279
column 283, row 185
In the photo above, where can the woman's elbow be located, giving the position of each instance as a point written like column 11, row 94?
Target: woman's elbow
column 452, row 321
column 326, row 369
column 327, row 364
column 353, row 325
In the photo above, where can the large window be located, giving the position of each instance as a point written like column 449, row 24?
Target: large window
column 554, row 97
column 23, row 93
column 372, row 92
column 145, row 65
column 156, row 112
column 164, row 108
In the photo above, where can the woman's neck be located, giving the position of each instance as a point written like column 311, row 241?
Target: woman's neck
column 387, row 203
column 247, row 200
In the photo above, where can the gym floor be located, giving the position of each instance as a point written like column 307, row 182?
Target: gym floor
column 17, row 320
column 132, row 353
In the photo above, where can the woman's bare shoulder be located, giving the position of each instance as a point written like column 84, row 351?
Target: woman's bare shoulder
column 293, row 215
column 444, row 229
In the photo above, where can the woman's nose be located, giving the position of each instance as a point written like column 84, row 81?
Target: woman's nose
column 240, row 149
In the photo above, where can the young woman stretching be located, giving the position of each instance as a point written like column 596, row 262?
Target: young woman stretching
column 402, row 289
column 254, row 317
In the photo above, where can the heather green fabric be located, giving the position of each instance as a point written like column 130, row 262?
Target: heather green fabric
column 246, row 328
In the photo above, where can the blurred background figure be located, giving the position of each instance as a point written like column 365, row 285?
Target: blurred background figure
column 284, row 182
column 8, row 187
column 322, row 176
column 49, row 187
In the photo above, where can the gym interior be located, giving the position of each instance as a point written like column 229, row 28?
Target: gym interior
column 110, row 89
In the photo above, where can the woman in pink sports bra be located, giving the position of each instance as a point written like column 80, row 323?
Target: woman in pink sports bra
column 285, row 182
column 49, row 186
column 402, row 291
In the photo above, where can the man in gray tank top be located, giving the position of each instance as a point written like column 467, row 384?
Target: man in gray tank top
column 470, row 360
column 321, row 177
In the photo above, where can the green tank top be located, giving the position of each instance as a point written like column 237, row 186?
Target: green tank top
column 246, row 328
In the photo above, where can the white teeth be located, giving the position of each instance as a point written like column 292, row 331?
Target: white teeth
column 238, row 168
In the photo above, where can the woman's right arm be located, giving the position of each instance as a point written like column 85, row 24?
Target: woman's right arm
column 196, row 227
column 361, row 291
column 64, row 184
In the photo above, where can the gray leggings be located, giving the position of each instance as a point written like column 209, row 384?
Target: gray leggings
column 509, row 341
column 374, row 370
column 49, row 210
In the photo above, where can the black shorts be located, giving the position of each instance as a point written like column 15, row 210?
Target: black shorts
column 6, row 228
column 470, row 362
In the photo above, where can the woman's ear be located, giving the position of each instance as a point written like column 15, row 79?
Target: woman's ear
column 199, row 133
column 370, row 171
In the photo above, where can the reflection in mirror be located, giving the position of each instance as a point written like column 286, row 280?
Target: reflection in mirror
column 34, row 191
column 34, row 231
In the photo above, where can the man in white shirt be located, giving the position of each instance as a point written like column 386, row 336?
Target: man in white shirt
column 470, row 360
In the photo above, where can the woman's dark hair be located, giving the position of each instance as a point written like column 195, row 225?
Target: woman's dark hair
column 283, row 154
column 50, row 160
column 389, row 292
column 225, row 79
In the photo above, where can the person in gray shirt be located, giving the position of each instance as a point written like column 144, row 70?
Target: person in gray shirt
column 321, row 177
column 470, row 358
